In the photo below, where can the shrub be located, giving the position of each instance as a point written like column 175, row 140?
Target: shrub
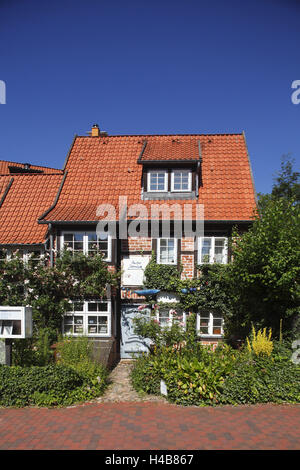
column 260, row 344
column 193, row 377
column 75, row 378
column 77, row 354
column 145, row 376
column 50, row 385
column 201, row 377
column 263, row 379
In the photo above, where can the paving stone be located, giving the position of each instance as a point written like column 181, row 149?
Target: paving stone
column 121, row 390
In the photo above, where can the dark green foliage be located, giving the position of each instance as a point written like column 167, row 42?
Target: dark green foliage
column 145, row 375
column 75, row 379
column 263, row 278
column 23, row 386
column 193, row 377
column 34, row 351
column 202, row 377
column 161, row 276
column 262, row 380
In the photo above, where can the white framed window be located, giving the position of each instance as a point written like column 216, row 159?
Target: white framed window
column 181, row 180
column 210, row 324
column 88, row 243
column 166, row 316
column 212, row 250
column 157, row 181
column 88, row 318
column 167, row 251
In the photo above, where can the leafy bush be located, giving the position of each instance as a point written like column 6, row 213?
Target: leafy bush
column 50, row 385
column 146, row 374
column 75, row 378
column 193, row 377
column 263, row 379
column 33, row 351
column 161, row 276
column 77, row 354
column 199, row 376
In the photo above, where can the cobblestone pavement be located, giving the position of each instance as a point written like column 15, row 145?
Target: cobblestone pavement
column 121, row 390
column 139, row 424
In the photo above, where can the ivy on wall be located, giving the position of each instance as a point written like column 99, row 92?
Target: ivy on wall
column 207, row 292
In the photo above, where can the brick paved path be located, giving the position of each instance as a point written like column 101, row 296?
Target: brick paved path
column 153, row 426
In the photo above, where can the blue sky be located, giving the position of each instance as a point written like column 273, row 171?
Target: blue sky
column 149, row 67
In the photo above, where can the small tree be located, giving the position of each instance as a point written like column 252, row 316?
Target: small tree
column 264, row 275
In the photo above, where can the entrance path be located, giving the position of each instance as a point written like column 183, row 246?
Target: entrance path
column 120, row 388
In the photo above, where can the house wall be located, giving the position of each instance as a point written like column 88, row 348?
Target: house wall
column 107, row 350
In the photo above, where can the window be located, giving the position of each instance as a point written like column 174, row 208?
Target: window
column 88, row 243
column 166, row 316
column 157, row 181
column 181, row 180
column 212, row 250
column 73, row 242
column 167, row 251
column 210, row 324
column 91, row 318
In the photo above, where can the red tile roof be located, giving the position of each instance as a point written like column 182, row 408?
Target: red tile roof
column 4, row 167
column 170, row 148
column 100, row 169
column 27, row 198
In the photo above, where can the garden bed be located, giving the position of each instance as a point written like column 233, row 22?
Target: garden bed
column 202, row 377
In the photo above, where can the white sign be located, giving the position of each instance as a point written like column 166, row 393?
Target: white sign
column 133, row 267
column 163, row 388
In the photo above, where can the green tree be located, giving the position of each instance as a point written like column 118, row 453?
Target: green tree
column 286, row 185
column 263, row 278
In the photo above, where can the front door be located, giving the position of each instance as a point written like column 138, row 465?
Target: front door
column 131, row 343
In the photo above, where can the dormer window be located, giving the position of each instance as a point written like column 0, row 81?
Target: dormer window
column 181, row 180
column 157, row 181
column 175, row 181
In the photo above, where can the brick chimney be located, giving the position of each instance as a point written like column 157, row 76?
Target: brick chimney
column 95, row 131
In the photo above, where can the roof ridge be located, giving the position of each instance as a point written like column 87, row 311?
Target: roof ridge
column 164, row 135
column 17, row 175
column 31, row 164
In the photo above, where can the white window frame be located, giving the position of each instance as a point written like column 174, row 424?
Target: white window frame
column 85, row 234
column 210, row 333
column 170, row 316
column 151, row 172
column 212, row 250
column 189, row 172
column 174, row 263
column 85, row 313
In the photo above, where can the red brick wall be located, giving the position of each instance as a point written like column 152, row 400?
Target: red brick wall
column 136, row 244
